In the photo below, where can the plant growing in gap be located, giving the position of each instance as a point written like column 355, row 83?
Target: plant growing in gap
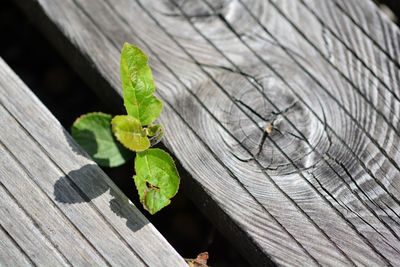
column 156, row 179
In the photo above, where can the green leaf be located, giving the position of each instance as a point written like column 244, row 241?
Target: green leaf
column 138, row 85
column 155, row 132
column 92, row 131
column 130, row 133
column 156, row 180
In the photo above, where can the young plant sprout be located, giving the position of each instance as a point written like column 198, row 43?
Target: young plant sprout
column 156, row 179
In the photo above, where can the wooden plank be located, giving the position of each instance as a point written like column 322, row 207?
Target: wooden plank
column 17, row 223
column 322, row 190
column 43, row 211
column 373, row 25
column 379, row 60
column 72, row 212
column 11, row 254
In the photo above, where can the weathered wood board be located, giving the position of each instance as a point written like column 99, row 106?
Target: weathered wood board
column 321, row 77
column 58, row 208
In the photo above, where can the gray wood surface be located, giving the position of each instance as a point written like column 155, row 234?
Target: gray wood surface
column 57, row 207
column 324, row 188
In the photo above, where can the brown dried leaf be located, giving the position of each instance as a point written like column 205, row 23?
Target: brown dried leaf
column 200, row 261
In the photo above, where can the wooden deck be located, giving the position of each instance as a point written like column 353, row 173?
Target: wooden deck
column 323, row 188
column 57, row 207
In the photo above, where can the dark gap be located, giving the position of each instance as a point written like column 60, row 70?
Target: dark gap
column 62, row 91
column 391, row 8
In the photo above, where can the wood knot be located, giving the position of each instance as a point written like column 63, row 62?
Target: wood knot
column 276, row 130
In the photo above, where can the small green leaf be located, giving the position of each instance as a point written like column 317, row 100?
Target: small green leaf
column 130, row 133
column 156, row 180
column 138, row 85
column 92, row 131
column 155, row 132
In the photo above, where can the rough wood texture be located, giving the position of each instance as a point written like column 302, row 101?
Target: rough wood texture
column 57, row 207
column 321, row 77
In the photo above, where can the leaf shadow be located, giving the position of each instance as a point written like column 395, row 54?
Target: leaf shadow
column 90, row 182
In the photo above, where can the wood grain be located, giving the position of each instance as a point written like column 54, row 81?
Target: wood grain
column 322, row 187
column 18, row 257
column 58, row 208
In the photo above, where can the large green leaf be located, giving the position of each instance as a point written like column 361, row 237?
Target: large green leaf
column 138, row 85
column 92, row 131
column 156, row 180
column 130, row 133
